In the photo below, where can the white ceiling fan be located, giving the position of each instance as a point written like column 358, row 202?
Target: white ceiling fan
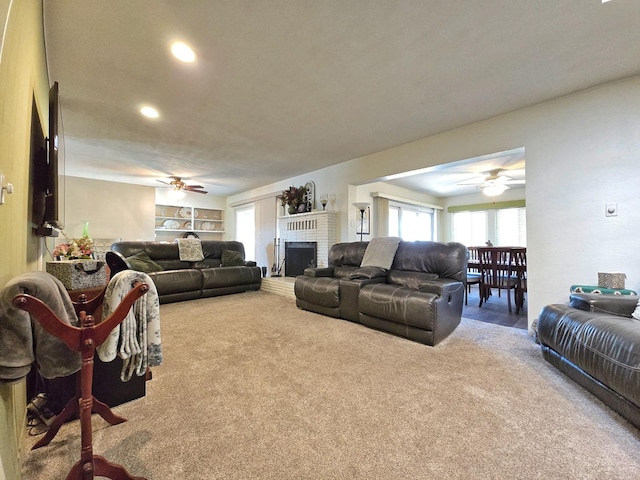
column 179, row 186
column 495, row 182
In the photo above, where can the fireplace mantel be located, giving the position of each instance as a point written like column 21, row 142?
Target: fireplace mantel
column 318, row 226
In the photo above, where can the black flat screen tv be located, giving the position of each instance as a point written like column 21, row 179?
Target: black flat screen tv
column 48, row 173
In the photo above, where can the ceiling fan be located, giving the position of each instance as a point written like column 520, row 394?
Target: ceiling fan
column 494, row 182
column 178, row 185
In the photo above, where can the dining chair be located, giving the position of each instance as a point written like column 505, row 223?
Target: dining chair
column 518, row 265
column 496, row 273
column 473, row 272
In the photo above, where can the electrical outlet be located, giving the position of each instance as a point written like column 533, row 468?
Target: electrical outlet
column 611, row 209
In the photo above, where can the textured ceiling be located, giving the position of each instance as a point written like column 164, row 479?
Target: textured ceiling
column 282, row 88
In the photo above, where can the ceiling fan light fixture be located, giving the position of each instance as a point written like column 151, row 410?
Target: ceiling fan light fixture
column 494, row 189
column 177, row 193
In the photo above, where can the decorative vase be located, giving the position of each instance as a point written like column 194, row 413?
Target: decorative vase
column 85, row 230
column 293, row 210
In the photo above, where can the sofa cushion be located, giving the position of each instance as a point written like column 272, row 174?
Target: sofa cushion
column 410, row 279
column 221, row 277
column 231, row 258
column 399, row 304
column 177, row 281
column 444, row 259
column 142, row 263
column 212, row 251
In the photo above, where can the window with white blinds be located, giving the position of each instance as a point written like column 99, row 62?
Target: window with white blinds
column 511, row 227
column 411, row 223
column 469, row 228
column 502, row 226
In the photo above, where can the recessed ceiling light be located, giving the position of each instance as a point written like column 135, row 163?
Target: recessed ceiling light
column 183, row 52
column 149, row 112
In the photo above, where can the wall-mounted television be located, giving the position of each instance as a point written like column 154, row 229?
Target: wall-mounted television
column 47, row 163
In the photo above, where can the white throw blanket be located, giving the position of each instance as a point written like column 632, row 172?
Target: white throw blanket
column 190, row 249
column 137, row 338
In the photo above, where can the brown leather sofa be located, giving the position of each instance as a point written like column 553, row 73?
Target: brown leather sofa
column 179, row 280
column 420, row 297
column 595, row 341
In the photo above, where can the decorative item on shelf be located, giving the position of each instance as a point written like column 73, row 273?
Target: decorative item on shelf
column 332, row 201
column 76, row 248
column 185, row 212
column 324, row 199
column 363, row 207
column 310, row 196
column 171, row 224
column 294, row 197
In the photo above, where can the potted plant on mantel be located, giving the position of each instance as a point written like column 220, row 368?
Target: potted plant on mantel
column 294, row 198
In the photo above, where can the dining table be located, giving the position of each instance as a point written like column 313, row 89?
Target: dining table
column 500, row 267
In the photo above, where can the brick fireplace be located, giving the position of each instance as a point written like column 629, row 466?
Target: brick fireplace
column 319, row 227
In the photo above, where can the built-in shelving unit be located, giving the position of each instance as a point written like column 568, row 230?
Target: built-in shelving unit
column 182, row 219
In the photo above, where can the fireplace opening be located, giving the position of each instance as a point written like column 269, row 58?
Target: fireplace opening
column 298, row 256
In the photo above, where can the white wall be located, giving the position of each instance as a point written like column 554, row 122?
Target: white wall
column 582, row 150
column 113, row 210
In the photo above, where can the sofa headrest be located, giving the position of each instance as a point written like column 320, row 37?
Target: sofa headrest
column 167, row 255
column 448, row 260
column 348, row 254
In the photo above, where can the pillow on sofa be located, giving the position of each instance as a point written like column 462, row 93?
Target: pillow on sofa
column 231, row 258
column 142, row 263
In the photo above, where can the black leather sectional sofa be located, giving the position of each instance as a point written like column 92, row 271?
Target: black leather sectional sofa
column 595, row 341
column 177, row 280
column 419, row 297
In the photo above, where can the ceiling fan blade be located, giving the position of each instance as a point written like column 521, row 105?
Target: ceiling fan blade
column 194, row 186
column 190, row 189
column 164, row 182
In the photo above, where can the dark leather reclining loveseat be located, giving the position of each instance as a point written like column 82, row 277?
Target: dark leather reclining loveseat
column 419, row 297
column 222, row 271
column 595, row 341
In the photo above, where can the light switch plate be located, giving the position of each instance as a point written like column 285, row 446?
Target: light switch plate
column 611, row 209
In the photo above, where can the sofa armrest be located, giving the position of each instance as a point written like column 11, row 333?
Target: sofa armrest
column 622, row 305
column 369, row 273
column 441, row 286
column 250, row 263
column 116, row 262
column 318, row 272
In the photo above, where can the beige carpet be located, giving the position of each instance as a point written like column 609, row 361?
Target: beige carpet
column 254, row 388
